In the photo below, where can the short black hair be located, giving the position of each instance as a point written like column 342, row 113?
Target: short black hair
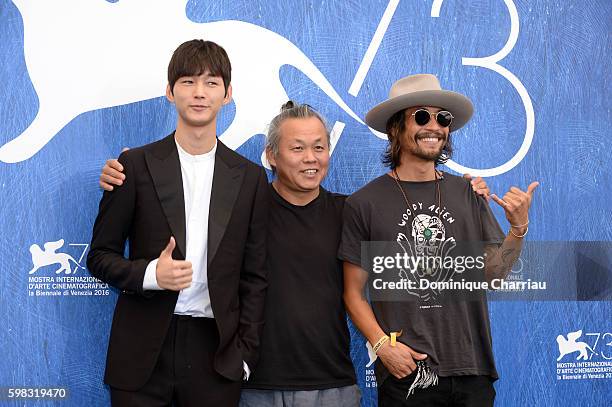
column 193, row 58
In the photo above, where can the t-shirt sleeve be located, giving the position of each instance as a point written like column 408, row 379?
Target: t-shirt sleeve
column 492, row 233
column 354, row 232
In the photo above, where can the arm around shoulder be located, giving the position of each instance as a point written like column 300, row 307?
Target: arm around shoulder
column 111, row 229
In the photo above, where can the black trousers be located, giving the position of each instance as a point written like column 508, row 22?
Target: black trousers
column 455, row 391
column 184, row 375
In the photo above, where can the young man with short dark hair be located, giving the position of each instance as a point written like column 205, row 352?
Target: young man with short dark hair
column 189, row 316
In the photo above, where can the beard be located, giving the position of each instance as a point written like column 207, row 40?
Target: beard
column 428, row 155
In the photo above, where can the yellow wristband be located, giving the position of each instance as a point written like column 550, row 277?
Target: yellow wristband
column 394, row 336
column 380, row 343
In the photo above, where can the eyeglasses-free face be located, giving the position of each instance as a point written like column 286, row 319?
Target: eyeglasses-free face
column 443, row 117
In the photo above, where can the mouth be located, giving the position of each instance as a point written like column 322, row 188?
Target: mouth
column 431, row 139
column 310, row 171
column 198, row 108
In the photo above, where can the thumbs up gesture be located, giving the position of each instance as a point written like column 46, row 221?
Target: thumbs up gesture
column 172, row 274
column 516, row 204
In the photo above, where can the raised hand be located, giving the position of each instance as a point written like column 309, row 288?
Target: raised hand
column 172, row 274
column 516, row 205
column 112, row 174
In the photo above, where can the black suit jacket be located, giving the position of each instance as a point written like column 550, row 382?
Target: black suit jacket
column 146, row 211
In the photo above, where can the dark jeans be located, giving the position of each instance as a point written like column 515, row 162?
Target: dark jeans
column 456, row 391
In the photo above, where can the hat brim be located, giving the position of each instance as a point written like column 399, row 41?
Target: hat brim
column 460, row 107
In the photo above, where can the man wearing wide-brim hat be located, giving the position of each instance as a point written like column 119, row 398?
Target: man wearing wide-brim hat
column 431, row 348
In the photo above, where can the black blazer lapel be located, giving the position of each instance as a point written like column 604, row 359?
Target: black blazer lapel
column 227, row 181
column 165, row 169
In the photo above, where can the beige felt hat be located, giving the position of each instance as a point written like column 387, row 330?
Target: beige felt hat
column 420, row 90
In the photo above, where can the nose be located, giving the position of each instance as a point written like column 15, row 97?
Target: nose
column 199, row 90
column 433, row 124
column 309, row 155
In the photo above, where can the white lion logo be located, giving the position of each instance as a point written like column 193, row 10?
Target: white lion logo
column 49, row 256
column 371, row 355
column 88, row 55
column 569, row 345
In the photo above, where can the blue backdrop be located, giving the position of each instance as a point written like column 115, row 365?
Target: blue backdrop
column 82, row 79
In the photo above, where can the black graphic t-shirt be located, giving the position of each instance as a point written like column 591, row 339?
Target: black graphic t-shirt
column 455, row 334
column 305, row 343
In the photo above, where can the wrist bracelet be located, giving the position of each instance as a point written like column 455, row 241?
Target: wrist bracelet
column 520, row 236
column 394, row 336
column 519, row 226
column 380, row 343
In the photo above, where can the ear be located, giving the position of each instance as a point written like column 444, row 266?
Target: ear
column 169, row 94
column 270, row 157
column 228, row 95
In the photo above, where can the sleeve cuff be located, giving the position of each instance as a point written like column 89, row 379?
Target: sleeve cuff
column 247, row 371
column 150, row 279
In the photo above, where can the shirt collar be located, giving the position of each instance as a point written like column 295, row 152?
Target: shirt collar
column 186, row 157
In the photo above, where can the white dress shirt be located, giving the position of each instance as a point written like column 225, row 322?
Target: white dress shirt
column 197, row 172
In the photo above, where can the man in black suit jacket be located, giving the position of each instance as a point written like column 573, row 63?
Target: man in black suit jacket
column 184, row 331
